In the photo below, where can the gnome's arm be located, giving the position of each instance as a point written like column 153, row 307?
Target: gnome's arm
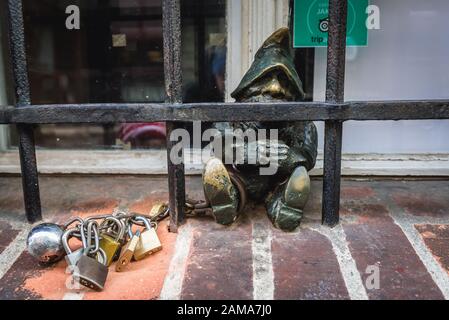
column 301, row 137
column 232, row 143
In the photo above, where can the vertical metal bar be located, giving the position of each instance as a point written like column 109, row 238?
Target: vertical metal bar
column 27, row 150
column 331, row 175
column 335, row 81
column 171, row 22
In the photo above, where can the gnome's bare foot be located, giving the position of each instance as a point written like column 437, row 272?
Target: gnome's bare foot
column 220, row 192
column 285, row 206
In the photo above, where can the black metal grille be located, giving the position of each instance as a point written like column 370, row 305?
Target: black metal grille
column 334, row 111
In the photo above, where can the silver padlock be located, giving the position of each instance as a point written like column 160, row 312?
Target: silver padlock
column 91, row 270
column 72, row 257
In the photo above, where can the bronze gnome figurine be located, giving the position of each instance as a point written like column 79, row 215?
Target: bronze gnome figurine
column 271, row 78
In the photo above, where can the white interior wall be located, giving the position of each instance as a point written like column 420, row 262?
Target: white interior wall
column 249, row 23
column 407, row 59
column 3, row 99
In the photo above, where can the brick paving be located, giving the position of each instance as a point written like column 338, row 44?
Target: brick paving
column 220, row 263
column 7, row 234
column 436, row 238
column 400, row 227
column 305, row 267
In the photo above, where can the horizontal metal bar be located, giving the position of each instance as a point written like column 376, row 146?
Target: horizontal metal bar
column 319, row 111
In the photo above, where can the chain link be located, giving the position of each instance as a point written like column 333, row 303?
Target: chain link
column 127, row 220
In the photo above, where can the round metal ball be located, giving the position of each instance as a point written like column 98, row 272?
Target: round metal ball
column 44, row 243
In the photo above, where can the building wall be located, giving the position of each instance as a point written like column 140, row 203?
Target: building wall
column 3, row 98
column 406, row 59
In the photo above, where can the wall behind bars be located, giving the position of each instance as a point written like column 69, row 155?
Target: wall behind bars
column 406, row 59
column 4, row 132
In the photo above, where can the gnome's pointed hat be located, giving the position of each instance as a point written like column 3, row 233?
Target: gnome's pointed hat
column 274, row 54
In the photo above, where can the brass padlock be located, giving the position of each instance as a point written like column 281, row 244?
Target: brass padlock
column 149, row 241
column 72, row 257
column 90, row 272
column 158, row 209
column 111, row 244
column 127, row 251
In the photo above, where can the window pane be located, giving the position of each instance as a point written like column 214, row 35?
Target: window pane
column 117, row 56
column 406, row 59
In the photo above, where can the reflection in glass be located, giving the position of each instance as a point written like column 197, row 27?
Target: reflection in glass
column 116, row 56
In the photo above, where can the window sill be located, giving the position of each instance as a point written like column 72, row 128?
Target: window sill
column 154, row 162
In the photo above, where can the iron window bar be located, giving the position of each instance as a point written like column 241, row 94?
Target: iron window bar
column 334, row 111
column 27, row 150
column 281, row 111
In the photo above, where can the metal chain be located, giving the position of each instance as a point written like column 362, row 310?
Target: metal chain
column 87, row 233
column 92, row 228
column 203, row 207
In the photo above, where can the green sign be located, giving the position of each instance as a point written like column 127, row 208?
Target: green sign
column 311, row 20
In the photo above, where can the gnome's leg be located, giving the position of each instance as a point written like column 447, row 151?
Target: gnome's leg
column 286, row 204
column 220, row 192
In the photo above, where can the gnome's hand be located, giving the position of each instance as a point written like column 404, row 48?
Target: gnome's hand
column 264, row 152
